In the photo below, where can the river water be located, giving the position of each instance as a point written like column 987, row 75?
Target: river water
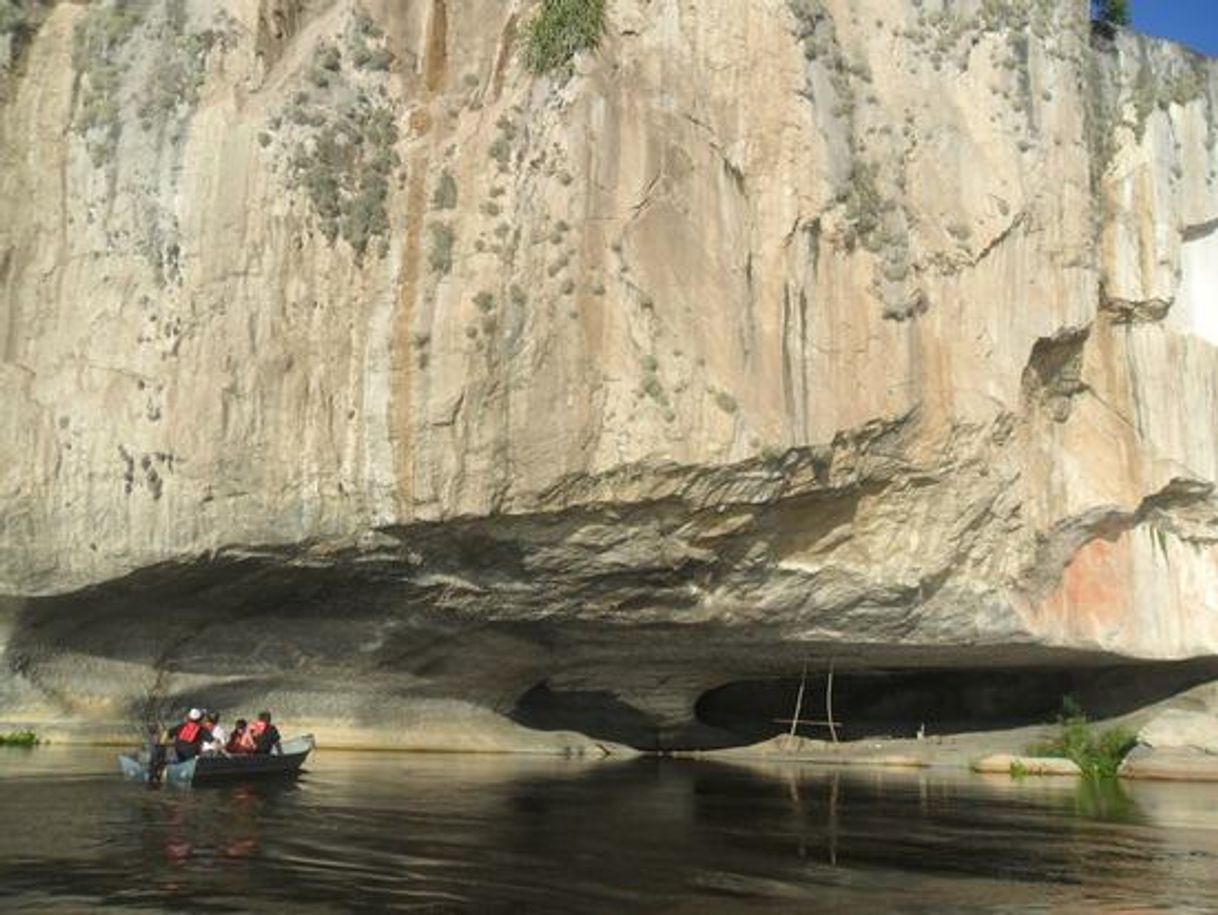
column 439, row 834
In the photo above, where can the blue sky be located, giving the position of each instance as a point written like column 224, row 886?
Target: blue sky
column 1190, row 22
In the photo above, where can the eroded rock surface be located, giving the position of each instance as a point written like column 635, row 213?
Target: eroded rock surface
column 350, row 368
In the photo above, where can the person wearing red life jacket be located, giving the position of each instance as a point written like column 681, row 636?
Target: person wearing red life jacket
column 188, row 736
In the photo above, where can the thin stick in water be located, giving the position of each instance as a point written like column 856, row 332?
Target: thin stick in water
column 799, row 699
column 829, row 704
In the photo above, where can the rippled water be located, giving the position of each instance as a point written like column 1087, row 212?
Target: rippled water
column 477, row 834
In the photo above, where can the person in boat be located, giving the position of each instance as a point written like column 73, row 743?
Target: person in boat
column 156, row 754
column 216, row 736
column 265, row 734
column 188, row 736
column 237, row 739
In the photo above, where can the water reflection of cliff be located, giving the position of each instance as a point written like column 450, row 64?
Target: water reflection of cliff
column 453, row 834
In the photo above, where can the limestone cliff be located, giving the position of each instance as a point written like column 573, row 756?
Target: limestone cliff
column 350, row 366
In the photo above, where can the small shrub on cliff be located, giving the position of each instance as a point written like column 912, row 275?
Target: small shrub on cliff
column 560, row 30
column 345, row 167
column 442, row 239
column 100, row 64
column 1099, row 755
column 365, row 43
column 1110, row 12
column 20, row 19
column 445, row 195
column 172, row 91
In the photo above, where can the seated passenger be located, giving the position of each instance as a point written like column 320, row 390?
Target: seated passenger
column 266, row 735
column 249, row 737
column 236, row 740
column 215, row 737
column 188, row 736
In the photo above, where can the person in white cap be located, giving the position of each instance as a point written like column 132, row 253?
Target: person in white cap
column 188, row 736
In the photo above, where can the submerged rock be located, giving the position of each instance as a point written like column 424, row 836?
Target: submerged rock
column 1009, row 764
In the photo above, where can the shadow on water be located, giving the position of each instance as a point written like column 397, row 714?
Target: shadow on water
column 468, row 834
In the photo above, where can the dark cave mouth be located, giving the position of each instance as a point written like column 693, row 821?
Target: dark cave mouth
column 868, row 703
column 901, row 703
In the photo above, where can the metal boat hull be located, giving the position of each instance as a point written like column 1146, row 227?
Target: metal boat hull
column 220, row 768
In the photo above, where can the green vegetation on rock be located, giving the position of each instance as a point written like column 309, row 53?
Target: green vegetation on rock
column 444, row 197
column 366, row 43
column 345, row 167
column 560, row 30
column 19, row 739
column 485, row 301
column 97, row 58
column 1098, row 754
column 19, row 22
column 1112, row 12
column 168, row 69
column 442, row 240
column 177, row 73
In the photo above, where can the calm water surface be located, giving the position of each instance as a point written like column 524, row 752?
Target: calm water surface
column 369, row 832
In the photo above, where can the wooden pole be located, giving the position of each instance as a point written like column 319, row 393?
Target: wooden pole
column 833, row 819
column 829, row 704
column 799, row 700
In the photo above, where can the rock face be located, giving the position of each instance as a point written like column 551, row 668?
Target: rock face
column 1176, row 745
column 350, row 367
column 1178, row 729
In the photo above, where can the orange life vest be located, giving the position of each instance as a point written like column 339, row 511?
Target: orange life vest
column 189, row 732
column 249, row 737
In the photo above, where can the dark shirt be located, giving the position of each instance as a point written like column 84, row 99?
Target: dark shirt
column 186, row 749
column 268, row 739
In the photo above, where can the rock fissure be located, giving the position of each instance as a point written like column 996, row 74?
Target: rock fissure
column 1123, row 311
column 1200, row 230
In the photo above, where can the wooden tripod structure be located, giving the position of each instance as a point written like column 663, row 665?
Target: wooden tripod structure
column 795, row 721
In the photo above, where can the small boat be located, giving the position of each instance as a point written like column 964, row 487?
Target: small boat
column 218, row 768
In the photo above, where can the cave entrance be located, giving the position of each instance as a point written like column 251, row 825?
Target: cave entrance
column 873, row 703
column 599, row 714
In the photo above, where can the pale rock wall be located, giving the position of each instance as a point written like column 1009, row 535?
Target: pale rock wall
column 865, row 330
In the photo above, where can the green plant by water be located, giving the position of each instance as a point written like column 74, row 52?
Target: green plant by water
column 1097, row 753
column 19, row 739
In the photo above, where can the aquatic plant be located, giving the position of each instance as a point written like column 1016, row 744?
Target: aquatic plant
column 19, row 739
column 1098, row 754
